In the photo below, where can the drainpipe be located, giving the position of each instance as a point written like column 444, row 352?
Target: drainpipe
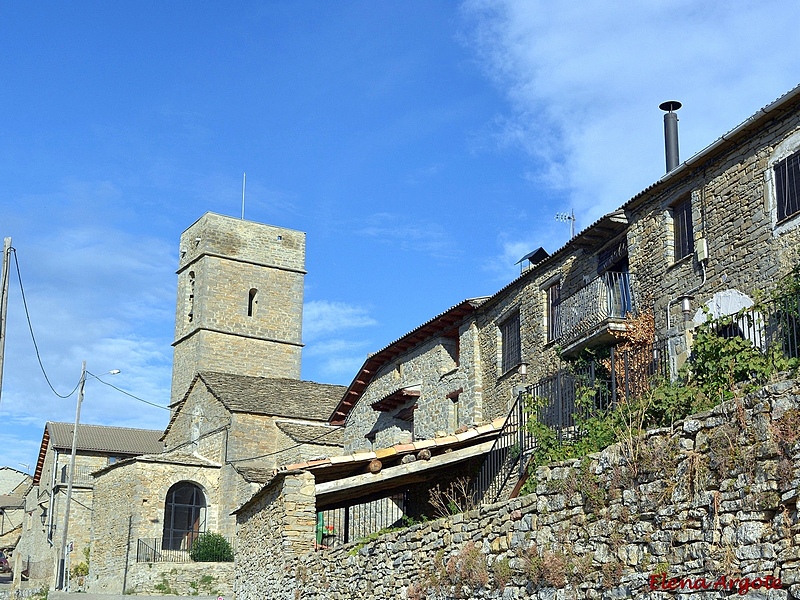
column 51, row 502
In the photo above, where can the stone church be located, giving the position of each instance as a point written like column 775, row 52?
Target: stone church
column 238, row 408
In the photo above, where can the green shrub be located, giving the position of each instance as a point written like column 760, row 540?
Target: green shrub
column 211, row 547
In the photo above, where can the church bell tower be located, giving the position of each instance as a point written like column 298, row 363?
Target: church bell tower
column 240, row 301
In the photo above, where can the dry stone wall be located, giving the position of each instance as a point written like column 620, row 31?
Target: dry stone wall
column 710, row 502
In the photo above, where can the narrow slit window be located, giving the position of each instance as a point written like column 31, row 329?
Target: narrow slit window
column 190, row 299
column 252, row 302
column 682, row 231
column 511, row 349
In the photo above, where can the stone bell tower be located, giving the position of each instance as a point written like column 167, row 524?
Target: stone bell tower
column 240, row 301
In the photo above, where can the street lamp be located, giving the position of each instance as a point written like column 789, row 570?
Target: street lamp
column 62, row 553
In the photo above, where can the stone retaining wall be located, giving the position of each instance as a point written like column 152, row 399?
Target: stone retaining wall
column 715, row 496
column 184, row 579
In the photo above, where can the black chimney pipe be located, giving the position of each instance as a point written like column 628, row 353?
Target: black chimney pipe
column 671, row 133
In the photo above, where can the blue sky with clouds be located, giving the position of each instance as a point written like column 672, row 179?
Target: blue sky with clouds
column 423, row 146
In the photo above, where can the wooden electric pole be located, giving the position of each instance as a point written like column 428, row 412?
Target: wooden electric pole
column 4, row 305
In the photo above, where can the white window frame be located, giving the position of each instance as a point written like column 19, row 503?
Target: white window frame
column 782, row 151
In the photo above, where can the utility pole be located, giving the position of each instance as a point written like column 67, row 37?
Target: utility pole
column 62, row 576
column 4, row 305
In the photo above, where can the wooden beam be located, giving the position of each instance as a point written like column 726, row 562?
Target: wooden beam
column 362, row 484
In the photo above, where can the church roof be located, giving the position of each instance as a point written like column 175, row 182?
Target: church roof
column 274, row 396
column 312, row 434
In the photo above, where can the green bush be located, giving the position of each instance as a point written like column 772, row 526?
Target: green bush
column 211, row 547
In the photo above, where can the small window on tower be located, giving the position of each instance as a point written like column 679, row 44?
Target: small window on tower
column 190, row 311
column 252, row 302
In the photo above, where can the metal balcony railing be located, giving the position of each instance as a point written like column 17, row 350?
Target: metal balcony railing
column 604, row 298
column 83, row 476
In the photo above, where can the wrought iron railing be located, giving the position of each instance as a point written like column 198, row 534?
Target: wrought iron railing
column 159, row 550
column 553, row 401
column 83, row 476
column 770, row 324
column 345, row 524
column 505, row 463
column 608, row 296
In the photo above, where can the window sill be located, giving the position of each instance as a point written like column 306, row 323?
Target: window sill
column 787, row 223
column 680, row 261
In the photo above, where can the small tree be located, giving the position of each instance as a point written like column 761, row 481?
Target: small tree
column 211, row 547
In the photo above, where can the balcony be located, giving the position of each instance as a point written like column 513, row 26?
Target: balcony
column 592, row 314
column 83, row 476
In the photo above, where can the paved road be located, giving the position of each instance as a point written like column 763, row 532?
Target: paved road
column 82, row 596
column 5, row 586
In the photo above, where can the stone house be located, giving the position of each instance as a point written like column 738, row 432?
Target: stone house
column 722, row 225
column 37, row 553
column 14, row 486
column 238, row 409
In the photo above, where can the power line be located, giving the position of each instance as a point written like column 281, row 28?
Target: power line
column 121, row 391
column 33, row 337
column 311, row 441
column 39, row 358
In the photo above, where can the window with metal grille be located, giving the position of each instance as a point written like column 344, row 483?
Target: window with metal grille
column 512, row 352
column 553, row 301
column 184, row 516
column 787, row 186
column 683, row 235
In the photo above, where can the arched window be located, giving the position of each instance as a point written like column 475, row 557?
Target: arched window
column 252, row 302
column 184, row 516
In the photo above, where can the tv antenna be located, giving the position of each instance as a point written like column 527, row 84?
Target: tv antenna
column 244, row 181
column 570, row 216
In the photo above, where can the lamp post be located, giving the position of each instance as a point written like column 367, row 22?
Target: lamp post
column 62, row 556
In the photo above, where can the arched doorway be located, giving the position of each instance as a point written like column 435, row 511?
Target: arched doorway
column 184, row 516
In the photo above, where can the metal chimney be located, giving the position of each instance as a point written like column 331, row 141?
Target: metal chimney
column 671, row 133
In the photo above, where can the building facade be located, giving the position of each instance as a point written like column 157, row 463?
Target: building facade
column 38, row 553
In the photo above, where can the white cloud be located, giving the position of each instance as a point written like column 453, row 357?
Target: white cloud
column 333, row 357
column 96, row 294
column 419, row 236
column 322, row 317
column 584, row 82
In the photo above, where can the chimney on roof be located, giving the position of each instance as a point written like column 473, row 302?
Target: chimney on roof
column 671, row 132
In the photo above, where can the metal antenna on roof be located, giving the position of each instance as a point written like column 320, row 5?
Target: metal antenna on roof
column 244, row 181
column 570, row 216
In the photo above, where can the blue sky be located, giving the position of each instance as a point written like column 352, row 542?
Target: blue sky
column 423, row 146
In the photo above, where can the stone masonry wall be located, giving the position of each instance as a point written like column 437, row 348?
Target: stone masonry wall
column 129, row 502
column 200, row 415
column 528, row 297
column 432, row 366
column 713, row 497
column 278, row 526
column 184, row 579
column 221, row 261
column 733, row 208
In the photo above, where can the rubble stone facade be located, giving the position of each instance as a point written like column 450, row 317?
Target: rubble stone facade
column 240, row 301
column 714, row 496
